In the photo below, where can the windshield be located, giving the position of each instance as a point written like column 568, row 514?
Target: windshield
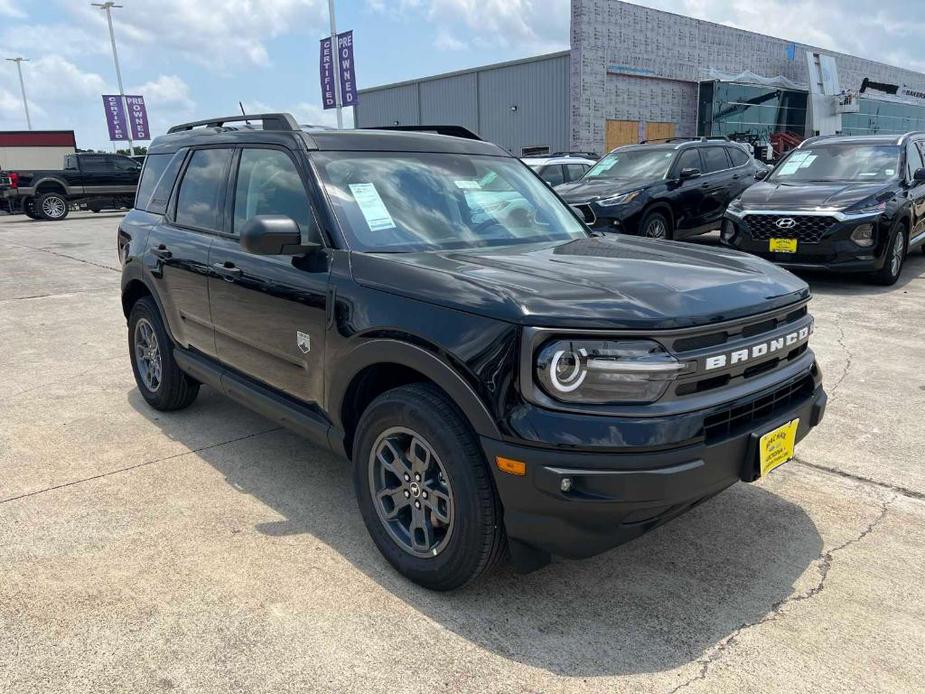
column 838, row 163
column 632, row 163
column 400, row 202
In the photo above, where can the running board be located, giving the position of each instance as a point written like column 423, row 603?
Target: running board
column 275, row 406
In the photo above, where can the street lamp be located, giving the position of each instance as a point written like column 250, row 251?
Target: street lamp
column 22, row 87
column 107, row 7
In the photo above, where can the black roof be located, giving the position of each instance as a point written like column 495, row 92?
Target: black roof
column 282, row 129
column 893, row 139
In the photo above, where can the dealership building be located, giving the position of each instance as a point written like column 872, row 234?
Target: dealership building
column 634, row 73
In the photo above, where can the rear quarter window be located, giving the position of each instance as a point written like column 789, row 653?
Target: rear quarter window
column 739, row 156
column 157, row 179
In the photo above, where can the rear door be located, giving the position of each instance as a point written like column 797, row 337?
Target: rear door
column 178, row 248
column 716, row 184
column 742, row 174
column 269, row 311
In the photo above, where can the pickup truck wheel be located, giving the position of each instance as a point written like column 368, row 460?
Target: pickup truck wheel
column 159, row 379
column 895, row 257
column 52, row 206
column 424, row 489
column 655, row 225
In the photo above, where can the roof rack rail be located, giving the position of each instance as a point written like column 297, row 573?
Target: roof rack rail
column 271, row 121
column 687, row 138
column 590, row 155
column 449, row 130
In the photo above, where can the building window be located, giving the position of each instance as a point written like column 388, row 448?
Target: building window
column 883, row 117
column 745, row 111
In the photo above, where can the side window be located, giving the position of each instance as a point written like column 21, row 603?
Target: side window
column 913, row 160
column 124, row 164
column 738, row 155
column 714, row 159
column 552, row 174
column 576, row 171
column 269, row 183
column 70, row 162
column 93, row 163
column 688, row 159
column 199, row 202
column 156, row 182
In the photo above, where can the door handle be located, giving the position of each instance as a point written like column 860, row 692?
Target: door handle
column 227, row 270
column 162, row 252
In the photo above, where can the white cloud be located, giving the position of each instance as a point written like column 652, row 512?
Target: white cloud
column 446, row 41
column 8, row 8
column 168, row 90
column 216, row 34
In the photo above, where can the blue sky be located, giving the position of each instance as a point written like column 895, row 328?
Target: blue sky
column 197, row 58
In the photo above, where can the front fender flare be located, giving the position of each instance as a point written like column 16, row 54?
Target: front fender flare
column 380, row 351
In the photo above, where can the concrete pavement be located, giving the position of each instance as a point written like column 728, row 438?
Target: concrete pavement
column 208, row 550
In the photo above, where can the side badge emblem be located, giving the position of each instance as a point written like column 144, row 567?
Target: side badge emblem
column 303, row 341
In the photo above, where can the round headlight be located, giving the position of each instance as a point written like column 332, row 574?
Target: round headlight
column 567, row 371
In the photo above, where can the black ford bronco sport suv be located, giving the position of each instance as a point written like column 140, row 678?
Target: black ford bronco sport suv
column 671, row 189
column 503, row 380
column 845, row 203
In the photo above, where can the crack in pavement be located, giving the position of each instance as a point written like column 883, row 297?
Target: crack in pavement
column 898, row 489
column 64, row 255
column 824, row 563
column 848, row 353
column 139, row 465
column 55, row 295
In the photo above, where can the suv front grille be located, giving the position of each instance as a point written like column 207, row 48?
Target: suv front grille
column 806, row 228
column 743, row 417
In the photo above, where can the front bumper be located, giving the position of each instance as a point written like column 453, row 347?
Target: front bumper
column 613, row 497
column 835, row 251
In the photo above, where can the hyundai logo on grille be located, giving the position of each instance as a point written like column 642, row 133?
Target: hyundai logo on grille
column 781, row 343
column 785, row 223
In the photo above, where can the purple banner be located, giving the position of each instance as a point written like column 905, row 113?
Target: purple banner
column 346, row 68
column 138, row 117
column 115, row 117
column 328, row 98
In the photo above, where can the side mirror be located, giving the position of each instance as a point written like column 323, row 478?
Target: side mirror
column 761, row 174
column 273, row 234
column 919, row 175
column 689, row 173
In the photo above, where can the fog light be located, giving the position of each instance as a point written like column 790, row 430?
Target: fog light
column 863, row 235
column 566, row 484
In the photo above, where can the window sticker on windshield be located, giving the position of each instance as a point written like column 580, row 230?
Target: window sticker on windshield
column 807, row 161
column 468, row 185
column 790, row 168
column 374, row 210
column 602, row 166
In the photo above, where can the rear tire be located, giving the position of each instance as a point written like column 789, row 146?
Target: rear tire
column 895, row 258
column 656, row 225
column 52, row 206
column 160, row 381
column 424, row 489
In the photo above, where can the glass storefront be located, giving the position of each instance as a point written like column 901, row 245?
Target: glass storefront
column 747, row 111
column 883, row 117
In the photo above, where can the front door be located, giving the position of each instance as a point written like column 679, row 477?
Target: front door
column 269, row 311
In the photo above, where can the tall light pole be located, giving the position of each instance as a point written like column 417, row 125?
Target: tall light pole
column 336, row 48
column 22, row 87
column 107, row 8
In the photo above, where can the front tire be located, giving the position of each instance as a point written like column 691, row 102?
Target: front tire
column 424, row 490
column 895, row 257
column 656, row 225
column 52, row 206
column 160, row 381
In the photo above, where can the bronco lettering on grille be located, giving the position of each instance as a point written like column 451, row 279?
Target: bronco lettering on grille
column 780, row 343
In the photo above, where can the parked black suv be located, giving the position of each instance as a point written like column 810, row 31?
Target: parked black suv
column 853, row 204
column 427, row 307
column 669, row 190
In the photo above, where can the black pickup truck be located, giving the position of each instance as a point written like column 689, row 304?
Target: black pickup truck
column 97, row 181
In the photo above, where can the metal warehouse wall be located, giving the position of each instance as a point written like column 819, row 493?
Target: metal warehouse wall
column 631, row 62
column 483, row 100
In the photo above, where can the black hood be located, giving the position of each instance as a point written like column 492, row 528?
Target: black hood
column 597, row 188
column 805, row 196
column 617, row 282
